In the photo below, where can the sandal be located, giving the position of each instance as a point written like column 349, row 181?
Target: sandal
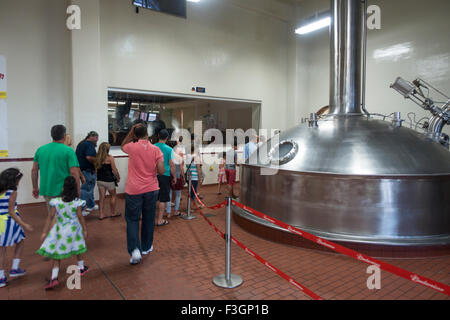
column 51, row 284
column 116, row 215
column 165, row 223
column 101, row 219
column 177, row 214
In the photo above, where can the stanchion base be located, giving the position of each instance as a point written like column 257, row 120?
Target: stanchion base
column 235, row 281
column 186, row 217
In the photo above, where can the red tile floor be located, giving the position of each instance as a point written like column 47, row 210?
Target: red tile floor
column 189, row 254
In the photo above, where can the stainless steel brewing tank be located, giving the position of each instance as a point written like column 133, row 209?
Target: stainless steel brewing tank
column 355, row 179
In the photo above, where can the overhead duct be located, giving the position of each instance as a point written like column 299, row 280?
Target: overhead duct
column 346, row 47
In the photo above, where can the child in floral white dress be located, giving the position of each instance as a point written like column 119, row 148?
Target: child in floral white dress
column 67, row 236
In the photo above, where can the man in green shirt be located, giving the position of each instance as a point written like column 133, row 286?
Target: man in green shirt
column 55, row 162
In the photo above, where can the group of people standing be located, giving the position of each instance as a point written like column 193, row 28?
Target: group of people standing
column 67, row 178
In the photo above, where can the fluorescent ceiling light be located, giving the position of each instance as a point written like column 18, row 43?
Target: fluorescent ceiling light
column 116, row 103
column 193, row 0
column 316, row 25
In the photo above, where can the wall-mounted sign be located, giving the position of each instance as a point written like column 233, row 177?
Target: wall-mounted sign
column 199, row 89
column 3, row 109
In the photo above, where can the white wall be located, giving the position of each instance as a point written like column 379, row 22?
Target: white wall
column 233, row 52
column 235, row 49
column 89, row 99
column 35, row 41
column 413, row 42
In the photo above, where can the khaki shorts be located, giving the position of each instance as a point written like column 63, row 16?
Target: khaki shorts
column 106, row 185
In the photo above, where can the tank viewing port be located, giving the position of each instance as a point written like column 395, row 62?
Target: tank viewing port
column 283, row 152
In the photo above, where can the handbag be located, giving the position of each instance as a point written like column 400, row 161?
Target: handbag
column 116, row 181
column 179, row 183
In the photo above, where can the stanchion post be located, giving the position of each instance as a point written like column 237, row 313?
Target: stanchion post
column 228, row 280
column 189, row 216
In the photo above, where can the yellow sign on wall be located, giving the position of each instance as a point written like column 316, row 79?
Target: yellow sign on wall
column 3, row 95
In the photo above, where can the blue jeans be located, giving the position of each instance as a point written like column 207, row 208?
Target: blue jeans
column 195, row 185
column 177, row 201
column 135, row 205
column 87, row 189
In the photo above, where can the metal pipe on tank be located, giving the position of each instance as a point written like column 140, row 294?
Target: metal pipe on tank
column 364, row 57
column 346, row 48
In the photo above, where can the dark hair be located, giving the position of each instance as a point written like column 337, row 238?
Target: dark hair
column 70, row 191
column 140, row 132
column 163, row 134
column 58, row 132
column 171, row 144
column 138, row 121
column 90, row 134
column 9, row 179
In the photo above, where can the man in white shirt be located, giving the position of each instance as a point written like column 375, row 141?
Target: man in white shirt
column 250, row 147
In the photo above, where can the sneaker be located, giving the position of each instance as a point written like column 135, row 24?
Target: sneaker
column 51, row 284
column 147, row 252
column 92, row 209
column 3, row 282
column 84, row 271
column 135, row 257
column 17, row 273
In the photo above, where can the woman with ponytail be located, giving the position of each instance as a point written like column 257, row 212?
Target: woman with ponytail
column 108, row 178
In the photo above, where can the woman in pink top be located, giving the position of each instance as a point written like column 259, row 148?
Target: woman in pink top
column 221, row 177
column 141, row 191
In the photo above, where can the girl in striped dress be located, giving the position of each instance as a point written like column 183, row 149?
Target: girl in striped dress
column 11, row 225
column 194, row 171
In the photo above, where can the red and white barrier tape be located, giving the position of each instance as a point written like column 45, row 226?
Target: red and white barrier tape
column 277, row 271
column 217, row 206
column 440, row 287
column 263, row 261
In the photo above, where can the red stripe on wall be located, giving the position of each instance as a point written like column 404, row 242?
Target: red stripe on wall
column 17, row 160
column 31, row 159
